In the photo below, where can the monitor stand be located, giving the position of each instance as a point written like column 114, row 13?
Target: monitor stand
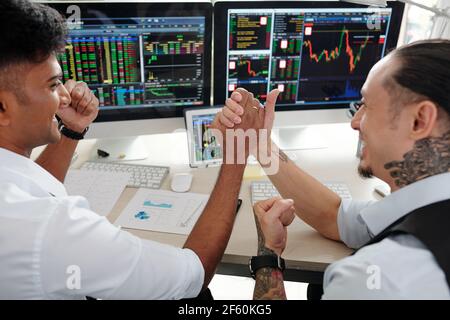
column 121, row 149
column 299, row 137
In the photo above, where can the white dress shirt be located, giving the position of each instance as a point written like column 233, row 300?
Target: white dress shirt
column 52, row 246
column 398, row 267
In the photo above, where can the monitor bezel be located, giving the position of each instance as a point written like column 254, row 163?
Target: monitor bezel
column 158, row 9
column 220, row 32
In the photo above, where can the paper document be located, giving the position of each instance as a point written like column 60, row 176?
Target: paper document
column 101, row 189
column 163, row 211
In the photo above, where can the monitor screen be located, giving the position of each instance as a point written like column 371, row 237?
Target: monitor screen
column 317, row 54
column 142, row 60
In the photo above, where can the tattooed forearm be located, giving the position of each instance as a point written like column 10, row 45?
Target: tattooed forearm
column 280, row 153
column 269, row 281
column 429, row 156
column 269, row 285
column 262, row 249
column 276, row 153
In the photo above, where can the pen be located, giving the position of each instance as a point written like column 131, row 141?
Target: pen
column 239, row 202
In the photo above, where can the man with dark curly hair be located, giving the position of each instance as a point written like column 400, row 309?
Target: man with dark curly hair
column 52, row 246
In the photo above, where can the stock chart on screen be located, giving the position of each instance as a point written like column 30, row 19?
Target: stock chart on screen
column 313, row 56
column 138, row 62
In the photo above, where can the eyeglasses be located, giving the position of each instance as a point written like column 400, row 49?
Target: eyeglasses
column 354, row 107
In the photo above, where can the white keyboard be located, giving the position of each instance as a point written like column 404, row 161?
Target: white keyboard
column 262, row 190
column 142, row 176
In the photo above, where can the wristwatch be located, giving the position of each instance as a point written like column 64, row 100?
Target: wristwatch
column 70, row 133
column 271, row 261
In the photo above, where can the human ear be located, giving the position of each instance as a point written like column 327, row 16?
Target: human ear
column 425, row 117
column 5, row 118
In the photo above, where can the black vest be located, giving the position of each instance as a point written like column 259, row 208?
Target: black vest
column 429, row 224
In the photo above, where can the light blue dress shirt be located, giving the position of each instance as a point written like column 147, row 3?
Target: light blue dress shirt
column 398, row 267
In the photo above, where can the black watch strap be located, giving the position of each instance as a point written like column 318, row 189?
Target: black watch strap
column 271, row 261
column 70, row 133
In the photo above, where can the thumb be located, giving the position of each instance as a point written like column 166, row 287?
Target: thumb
column 288, row 216
column 270, row 108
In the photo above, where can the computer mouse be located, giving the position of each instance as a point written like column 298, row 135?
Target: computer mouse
column 181, row 182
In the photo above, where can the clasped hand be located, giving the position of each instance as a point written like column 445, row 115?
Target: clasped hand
column 244, row 114
column 83, row 107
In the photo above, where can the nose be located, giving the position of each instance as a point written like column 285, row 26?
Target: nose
column 64, row 96
column 356, row 120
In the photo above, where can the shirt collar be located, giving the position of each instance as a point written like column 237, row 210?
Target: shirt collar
column 21, row 170
column 383, row 213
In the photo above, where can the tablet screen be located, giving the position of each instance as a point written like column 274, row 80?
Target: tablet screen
column 204, row 144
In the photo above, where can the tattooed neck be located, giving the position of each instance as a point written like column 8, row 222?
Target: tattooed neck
column 429, row 156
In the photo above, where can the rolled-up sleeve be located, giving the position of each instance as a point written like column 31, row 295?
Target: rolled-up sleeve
column 111, row 263
column 352, row 228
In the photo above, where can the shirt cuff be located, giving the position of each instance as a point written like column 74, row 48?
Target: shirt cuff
column 352, row 228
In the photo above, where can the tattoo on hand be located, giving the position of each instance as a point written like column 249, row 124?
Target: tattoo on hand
column 262, row 249
column 429, row 156
column 269, row 281
column 283, row 157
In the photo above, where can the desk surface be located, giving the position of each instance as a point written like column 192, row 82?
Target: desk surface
column 306, row 250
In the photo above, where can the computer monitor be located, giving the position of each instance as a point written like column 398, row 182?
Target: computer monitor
column 317, row 53
column 143, row 60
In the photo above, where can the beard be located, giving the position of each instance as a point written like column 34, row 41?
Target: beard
column 365, row 173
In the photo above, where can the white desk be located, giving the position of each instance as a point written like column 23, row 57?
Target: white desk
column 307, row 253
